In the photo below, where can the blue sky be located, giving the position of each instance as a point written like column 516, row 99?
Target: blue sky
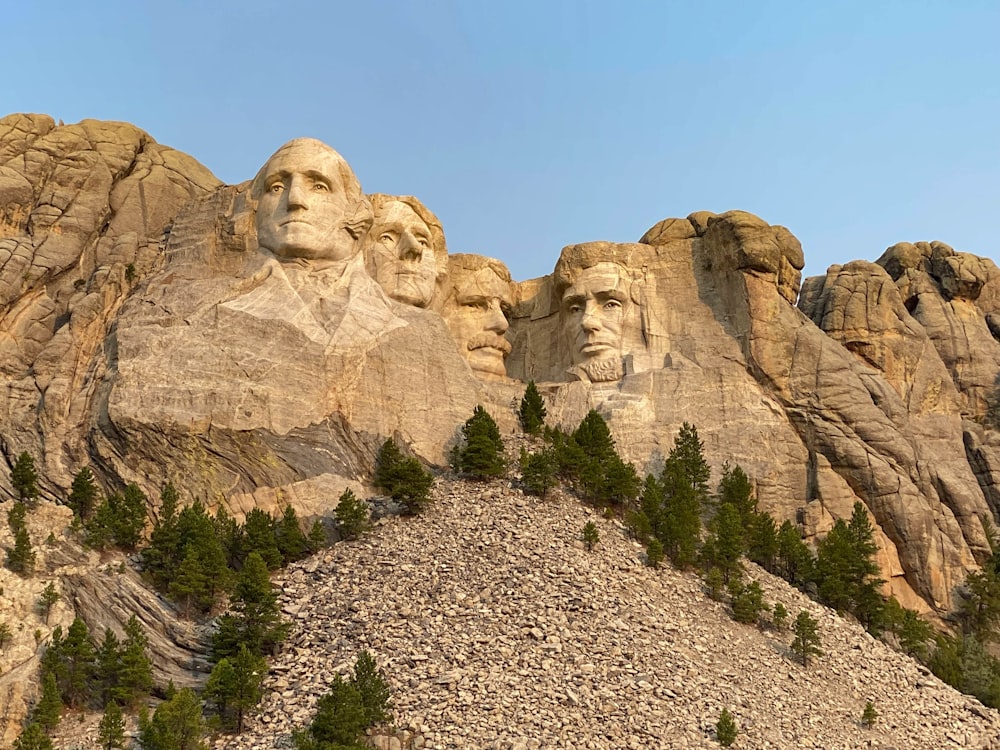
column 527, row 126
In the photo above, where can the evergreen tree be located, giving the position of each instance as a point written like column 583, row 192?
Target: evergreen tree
column 254, row 618
column 77, row 654
column 230, row 537
column 21, row 557
column 590, row 535
column 735, row 489
column 538, row 471
column 869, row 715
column 846, row 570
column 162, row 556
column 339, row 720
column 370, row 683
column 403, row 478
column 33, row 738
column 119, row 520
column 83, row 494
column 236, row 686
column 111, row 730
column 779, row 616
column 795, row 561
column 292, row 543
column 688, row 456
column 317, row 536
column 351, row 515
column 481, row 454
column 48, row 710
column 762, row 541
column 978, row 610
column 24, row 477
column 532, row 411
column 177, row 724
column 107, row 669
column 260, row 537
column 47, row 600
column 135, row 676
column 16, row 516
column 724, row 546
column 654, row 553
column 725, row 729
column 806, row 642
column 914, row 633
column 679, row 515
column 191, row 585
column 202, row 572
column 747, row 601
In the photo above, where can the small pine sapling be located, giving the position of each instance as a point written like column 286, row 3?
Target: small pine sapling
column 351, row 515
column 725, row 729
column 806, row 642
column 654, row 553
column 779, row 616
column 869, row 716
column 590, row 535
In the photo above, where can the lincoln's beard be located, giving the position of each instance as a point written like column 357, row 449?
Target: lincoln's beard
column 605, row 370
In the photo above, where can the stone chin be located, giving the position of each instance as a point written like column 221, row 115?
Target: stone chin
column 487, row 363
column 604, row 370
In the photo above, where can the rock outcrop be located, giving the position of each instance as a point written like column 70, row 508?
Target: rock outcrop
column 157, row 325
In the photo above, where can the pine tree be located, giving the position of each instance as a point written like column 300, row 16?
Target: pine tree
column 236, row 686
column 83, row 494
column 107, row 670
column 538, row 471
column 795, row 561
column 339, row 720
column 747, row 601
column 779, row 616
column 254, row 618
column 481, row 454
column 317, row 536
column 351, row 515
column 135, row 669
column 21, row 557
column 869, row 715
column 370, row 683
column 762, row 541
column 119, row 520
column 16, row 516
column 162, row 556
column 77, row 654
column 688, row 455
column 24, row 477
column 33, row 738
column 403, row 478
column 590, row 535
column 47, row 600
column 202, row 572
column 736, row 489
column 806, row 642
column 111, row 730
column 679, row 515
column 725, row 544
column 725, row 729
column 654, row 553
column 48, row 710
column 532, row 411
column 177, row 724
column 846, row 570
column 259, row 533
column 292, row 543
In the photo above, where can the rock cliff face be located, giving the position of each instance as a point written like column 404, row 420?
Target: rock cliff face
column 256, row 343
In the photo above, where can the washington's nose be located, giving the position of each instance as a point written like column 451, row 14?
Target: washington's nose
column 409, row 248
column 297, row 195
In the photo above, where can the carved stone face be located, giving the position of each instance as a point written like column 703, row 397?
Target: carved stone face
column 477, row 314
column 404, row 260
column 594, row 314
column 303, row 204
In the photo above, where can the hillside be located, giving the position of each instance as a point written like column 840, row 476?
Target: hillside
column 497, row 629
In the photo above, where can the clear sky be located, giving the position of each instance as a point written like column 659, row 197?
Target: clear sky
column 527, row 126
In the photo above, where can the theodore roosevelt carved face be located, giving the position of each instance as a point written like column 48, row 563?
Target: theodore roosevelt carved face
column 309, row 204
column 405, row 251
column 476, row 311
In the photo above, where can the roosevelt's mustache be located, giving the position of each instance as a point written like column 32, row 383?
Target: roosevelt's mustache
column 489, row 341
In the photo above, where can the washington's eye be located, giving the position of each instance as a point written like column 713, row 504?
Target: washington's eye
column 321, row 187
column 276, row 187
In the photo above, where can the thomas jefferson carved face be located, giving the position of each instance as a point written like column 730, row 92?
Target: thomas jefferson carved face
column 405, row 263
column 593, row 320
column 476, row 314
column 306, row 196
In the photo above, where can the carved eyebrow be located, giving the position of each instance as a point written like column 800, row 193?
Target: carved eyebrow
column 317, row 176
column 573, row 299
column 615, row 294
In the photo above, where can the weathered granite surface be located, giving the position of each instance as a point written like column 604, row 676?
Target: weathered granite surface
column 256, row 343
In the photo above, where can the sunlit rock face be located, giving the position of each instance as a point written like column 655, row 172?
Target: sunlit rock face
column 256, row 343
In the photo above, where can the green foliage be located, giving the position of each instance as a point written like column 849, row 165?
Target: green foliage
column 33, row 738
column 480, row 454
column 236, row 686
column 83, row 494
column 869, row 715
column 47, row 600
column 177, row 724
column 351, row 515
column 725, row 729
column 48, row 710
column 292, row 543
column 779, row 616
column 254, row 619
column 135, row 672
column 654, row 553
column 538, row 471
column 532, row 411
column 16, row 516
column 111, row 729
column 795, row 561
column 762, row 541
column 259, row 537
column 715, row 583
column 978, row 610
column 24, row 477
column 735, row 489
column 747, row 601
column 21, row 557
column 370, row 683
column 724, row 545
column 590, row 535
column 807, row 641
column 403, row 478
column 187, row 558
column 107, row 666
column 317, row 536
column 119, row 520
column 846, row 571
column 602, row 475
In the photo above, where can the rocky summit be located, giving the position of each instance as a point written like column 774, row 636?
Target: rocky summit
column 256, row 343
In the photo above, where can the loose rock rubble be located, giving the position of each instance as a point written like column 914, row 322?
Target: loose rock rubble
column 497, row 629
